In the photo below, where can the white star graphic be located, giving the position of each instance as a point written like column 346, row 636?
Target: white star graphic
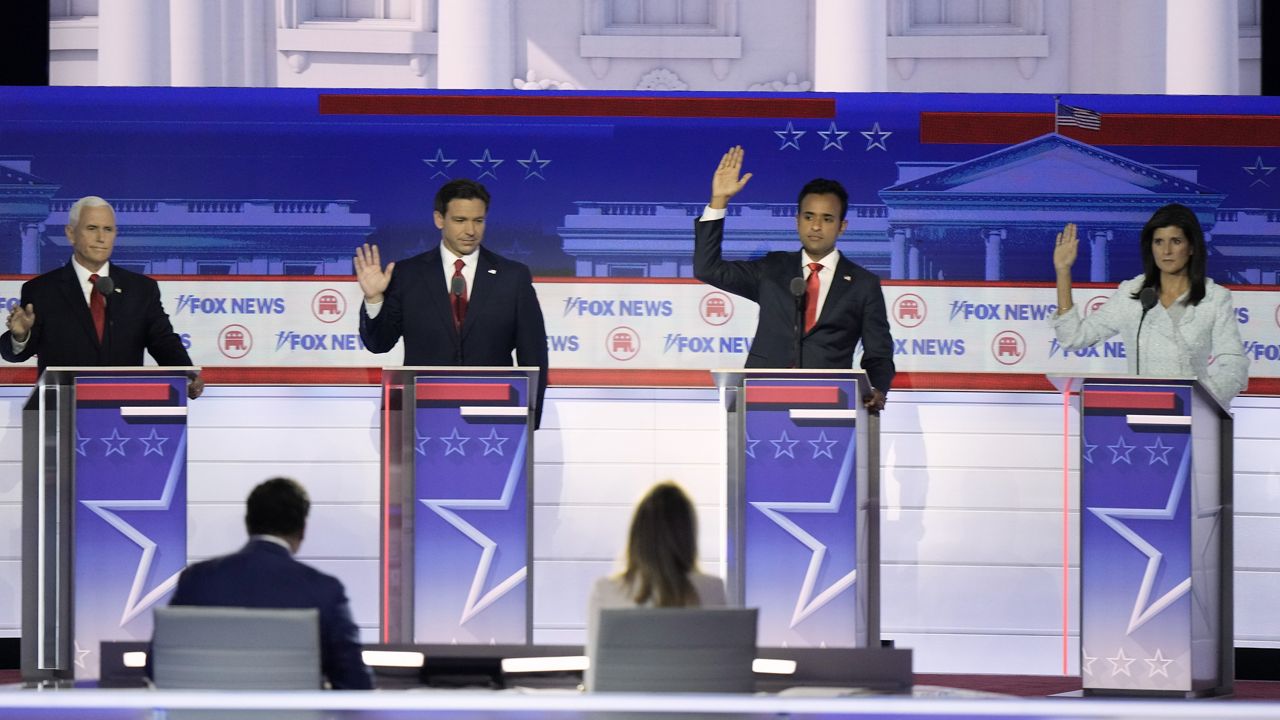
column 454, row 443
column 115, row 443
column 876, row 137
column 421, row 443
column 1120, row 451
column 751, row 446
column 138, row 602
column 475, row 601
column 80, row 443
column 1086, row 662
column 487, row 164
column 832, row 138
column 439, row 163
column 1159, row 664
column 154, row 443
column 822, row 446
column 493, row 443
column 1120, row 664
column 533, row 166
column 779, row 450
column 1259, row 171
column 1159, row 452
column 1142, row 612
column 1088, row 451
column 806, row 602
column 81, row 654
column 790, row 136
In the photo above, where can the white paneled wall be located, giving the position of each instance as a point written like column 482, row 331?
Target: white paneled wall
column 972, row 520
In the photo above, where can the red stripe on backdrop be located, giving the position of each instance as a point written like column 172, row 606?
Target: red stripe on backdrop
column 123, row 392
column 787, row 395
column 1117, row 129
column 589, row 377
column 539, row 105
column 464, row 392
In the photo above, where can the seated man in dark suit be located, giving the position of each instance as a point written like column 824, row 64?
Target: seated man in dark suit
column 841, row 301
column 263, row 574
column 90, row 313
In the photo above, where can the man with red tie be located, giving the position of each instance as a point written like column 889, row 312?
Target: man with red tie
column 89, row 313
column 457, row 304
column 841, row 302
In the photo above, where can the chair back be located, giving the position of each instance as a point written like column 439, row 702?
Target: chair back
column 673, row 650
column 236, row 648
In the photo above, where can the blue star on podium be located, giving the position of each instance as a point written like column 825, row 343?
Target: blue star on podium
column 454, row 442
column 154, row 443
column 751, row 446
column 1159, row 452
column 420, row 443
column 494, row 442
column 822, row 446
column 115, row 443
column 1120, row 451
column 778, row 446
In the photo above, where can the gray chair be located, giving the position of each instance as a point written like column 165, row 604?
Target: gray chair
column 236, row 648
column 673, row 650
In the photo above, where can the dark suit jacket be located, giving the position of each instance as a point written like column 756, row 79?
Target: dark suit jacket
column 502, row 315
column 854, row 309
column 264, row 575
column 63, row 334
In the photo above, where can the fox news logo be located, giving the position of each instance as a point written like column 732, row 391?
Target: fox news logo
column 909, row 310
column 966, row 310
column 197, row 305
column 622, row 343
column 586, row 307
column 936, row 347
column 317, row 342
column 681, row 343
column 563, row 343
column 1261, row 351
column 1113, row 349
column 11, row 303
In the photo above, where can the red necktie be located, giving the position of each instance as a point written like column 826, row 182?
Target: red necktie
column 97, row 306
column 811, row 296
column 459, row 299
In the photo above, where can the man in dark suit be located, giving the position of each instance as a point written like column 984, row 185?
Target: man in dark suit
column 457, row 304
column 263, row 574
column 841, row 302
column 88, row 313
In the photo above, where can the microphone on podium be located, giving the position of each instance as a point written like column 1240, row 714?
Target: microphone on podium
column 798, row 290
column 1147, row 296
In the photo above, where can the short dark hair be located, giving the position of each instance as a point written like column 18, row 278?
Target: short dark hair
column 1183, row 218
column 823, row 186
column 460, row 190
column 278, row 506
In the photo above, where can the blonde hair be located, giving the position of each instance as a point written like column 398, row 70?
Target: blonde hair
column 663, row 549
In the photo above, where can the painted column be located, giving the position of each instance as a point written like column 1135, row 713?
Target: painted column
column 849, row 46
column 913, row 260
column 1098, row 265
column 898, row 253
column 1202, row 48
column 994, row 239
column 30, row 234
column 133, row 42
column 197, row 52
column 476, row 44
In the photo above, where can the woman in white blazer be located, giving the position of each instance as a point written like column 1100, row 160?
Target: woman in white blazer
column 1190, row 326
column 662, row 561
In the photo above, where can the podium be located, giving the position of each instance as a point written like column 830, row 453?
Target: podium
column 803, row 505
column 457, row 542
column 1155, row 537
column 104, row 510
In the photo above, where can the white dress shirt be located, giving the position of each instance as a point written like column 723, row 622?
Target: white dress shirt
column 447, row 260
column 82, row 274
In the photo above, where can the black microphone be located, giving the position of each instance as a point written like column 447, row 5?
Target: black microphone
column 798, row 289
column 1147, row 296
column 458, row 288
column 105, row 285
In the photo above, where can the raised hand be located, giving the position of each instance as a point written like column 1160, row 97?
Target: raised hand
column 20, row 321
column 373, row 279
column 1064, row 251
column 726, row 183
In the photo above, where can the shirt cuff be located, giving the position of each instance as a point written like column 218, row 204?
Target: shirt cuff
column 18, row 347
column 710, row 213
column 372, row 309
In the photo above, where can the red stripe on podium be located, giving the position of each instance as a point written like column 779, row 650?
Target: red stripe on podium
column 123, row 392
column 1129, row 400
column 464, row 392
column 577, row 106
column 792, row 395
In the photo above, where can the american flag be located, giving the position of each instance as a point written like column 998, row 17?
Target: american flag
column 1079, row 117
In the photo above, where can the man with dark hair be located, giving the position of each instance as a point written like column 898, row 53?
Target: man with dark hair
column 456, row 304
column 264, row 574
column 842, row 302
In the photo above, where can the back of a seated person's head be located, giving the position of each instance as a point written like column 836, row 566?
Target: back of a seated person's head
column 663, row 548
column 279, row 507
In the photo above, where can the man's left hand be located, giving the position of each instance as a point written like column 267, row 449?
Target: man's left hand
column 195, row 387
column 874, row 401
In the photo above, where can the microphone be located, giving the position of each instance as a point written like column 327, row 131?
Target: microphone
column 1147, row 296
column 798, row 289
column 457, row 288
column 105, row 285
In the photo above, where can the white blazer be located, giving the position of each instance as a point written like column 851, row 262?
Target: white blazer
column 1205, row 343
column 611, row 592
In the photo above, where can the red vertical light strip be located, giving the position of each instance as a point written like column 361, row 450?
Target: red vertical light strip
column 386, row 514
column 1066, row 515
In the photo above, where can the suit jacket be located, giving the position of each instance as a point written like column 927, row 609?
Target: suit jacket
column 63, row 334
column 503, row 315
column 264, row 575
column 854, row 309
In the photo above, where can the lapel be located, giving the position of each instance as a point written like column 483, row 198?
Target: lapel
column 481, row 290
column 74, row 296
column 438, row 290
column 839, row 287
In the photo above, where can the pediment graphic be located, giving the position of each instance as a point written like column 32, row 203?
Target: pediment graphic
column 1051, row 165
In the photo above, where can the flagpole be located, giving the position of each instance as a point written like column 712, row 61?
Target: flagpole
column 1056, row 102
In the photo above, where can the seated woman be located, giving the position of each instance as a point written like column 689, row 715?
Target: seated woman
column 1174, row 321
column 662, row 560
